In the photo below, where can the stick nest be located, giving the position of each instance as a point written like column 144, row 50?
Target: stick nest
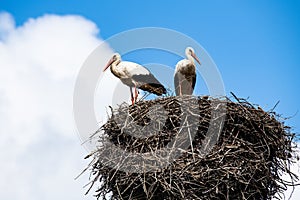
column 160, row 149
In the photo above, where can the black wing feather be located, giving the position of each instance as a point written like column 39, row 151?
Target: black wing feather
column 194, row 77
column 149, row 83
column 185, row 83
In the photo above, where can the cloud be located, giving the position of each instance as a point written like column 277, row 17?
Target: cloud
column 295, row 168
column 40, row 151
column 7, row 24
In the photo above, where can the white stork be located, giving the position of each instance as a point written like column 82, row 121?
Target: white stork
column 135, row 76
column 185, row 73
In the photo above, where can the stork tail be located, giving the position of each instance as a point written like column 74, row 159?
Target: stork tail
column 154, row 88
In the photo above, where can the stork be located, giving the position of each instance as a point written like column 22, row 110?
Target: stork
column 135, row 76
column 185, row 73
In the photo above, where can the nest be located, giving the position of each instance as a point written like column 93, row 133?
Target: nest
column 192, row 148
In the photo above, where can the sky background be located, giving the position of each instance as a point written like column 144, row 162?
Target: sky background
column 43, row 44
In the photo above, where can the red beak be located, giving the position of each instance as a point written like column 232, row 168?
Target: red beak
column 196, row 58
column 108, row 64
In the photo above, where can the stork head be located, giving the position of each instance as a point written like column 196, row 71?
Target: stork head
column 189, row 51
column 114, row 59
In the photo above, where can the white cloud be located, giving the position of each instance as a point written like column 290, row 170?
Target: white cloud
column 40, row 151
column 7, row 24
column 295, row 168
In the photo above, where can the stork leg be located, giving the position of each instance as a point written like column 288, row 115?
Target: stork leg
column 136, row 93
column 180, row 92
column 132, row 98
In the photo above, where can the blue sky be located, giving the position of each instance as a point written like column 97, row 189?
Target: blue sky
column 255, row 44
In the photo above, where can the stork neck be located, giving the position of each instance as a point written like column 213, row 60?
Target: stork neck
column 113, row 68
column 190, row 58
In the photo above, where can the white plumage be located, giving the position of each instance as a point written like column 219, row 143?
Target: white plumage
column 135, row 76
column 185, row 73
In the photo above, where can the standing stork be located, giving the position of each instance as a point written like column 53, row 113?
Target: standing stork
column 185, row 73
column 135, row 76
